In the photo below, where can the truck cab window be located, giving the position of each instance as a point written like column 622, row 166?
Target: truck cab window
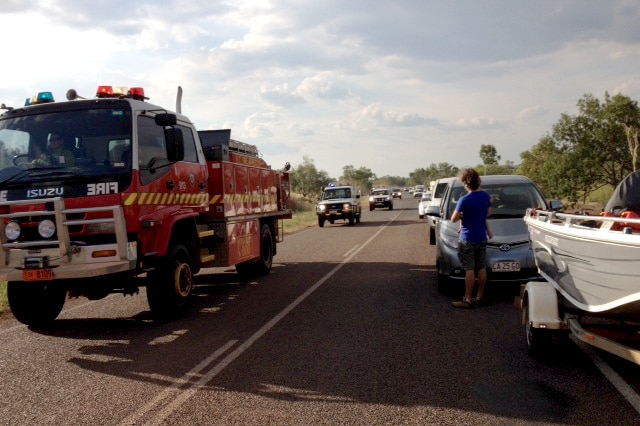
column 190, row 153
column 152, row 151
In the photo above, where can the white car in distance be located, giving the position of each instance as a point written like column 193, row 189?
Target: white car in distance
column 423, row 202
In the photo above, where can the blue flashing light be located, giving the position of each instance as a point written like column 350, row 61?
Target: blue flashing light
column 40, row 98
column 45, row 97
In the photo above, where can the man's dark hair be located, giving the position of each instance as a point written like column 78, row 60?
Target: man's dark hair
column 471, row 179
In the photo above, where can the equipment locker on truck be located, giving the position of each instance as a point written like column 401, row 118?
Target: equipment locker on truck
column 134, row 193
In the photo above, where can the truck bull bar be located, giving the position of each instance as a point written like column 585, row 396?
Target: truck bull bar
column 66, row 259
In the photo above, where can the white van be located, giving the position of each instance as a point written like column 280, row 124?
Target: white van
column 438, row 191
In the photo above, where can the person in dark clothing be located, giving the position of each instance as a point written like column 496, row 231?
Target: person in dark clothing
column 57, row 154
column 472, row 210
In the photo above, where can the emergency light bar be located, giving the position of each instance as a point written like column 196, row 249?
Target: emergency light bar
column 40, row 98
column 120, row 92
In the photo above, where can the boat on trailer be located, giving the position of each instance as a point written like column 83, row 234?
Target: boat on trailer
column 591, row 265
column 593, row 261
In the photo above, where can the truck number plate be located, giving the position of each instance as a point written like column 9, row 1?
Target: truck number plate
column 333, row 211
column 506, row 267
column 37, row 274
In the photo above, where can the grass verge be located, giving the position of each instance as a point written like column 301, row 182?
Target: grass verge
column 3, row 296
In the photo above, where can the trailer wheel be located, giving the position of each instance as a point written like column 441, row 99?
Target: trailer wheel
column 170, row 285
column 263, row 265
column 538, row 340
column 36, row 303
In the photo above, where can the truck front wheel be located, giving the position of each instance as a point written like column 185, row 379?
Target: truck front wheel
column 320, row 221
column 35, row 303
column 170, row 285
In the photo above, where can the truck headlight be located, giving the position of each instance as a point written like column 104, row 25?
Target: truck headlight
column 346, row 206
column 321, row 207
column 46, row 228
column 12, row 230
column 371, row 199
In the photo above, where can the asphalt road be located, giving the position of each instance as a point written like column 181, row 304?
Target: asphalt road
column 347, row 329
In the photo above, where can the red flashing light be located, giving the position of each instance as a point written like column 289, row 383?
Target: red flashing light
column 120, row 92
column 137, row 93
column 104, row 92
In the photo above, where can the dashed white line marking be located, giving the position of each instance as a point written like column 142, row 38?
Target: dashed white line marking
column 181, row 398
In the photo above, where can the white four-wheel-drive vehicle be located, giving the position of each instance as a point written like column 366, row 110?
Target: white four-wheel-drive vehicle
column 338, row 203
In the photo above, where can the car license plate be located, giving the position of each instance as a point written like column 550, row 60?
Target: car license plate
column 333, row 211
column 37, row 274
column 506, row 267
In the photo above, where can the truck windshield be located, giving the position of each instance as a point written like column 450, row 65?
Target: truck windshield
column 330, row 194
column 90, row 142
column 508, row 200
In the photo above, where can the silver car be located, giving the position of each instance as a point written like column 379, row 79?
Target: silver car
column 509, row 254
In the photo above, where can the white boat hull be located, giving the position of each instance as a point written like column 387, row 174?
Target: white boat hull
column 597, row 270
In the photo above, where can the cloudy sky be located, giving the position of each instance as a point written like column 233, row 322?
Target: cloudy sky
column 388, row 85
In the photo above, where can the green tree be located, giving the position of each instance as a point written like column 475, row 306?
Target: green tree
column 361, row 178
column 306, row 179
column 489, row 154
column 538, row 165
column 391, row 181
column 586, row 151
column 423, row 176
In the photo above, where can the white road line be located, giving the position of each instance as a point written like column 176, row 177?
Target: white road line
column 616, row 380
column 135, row 417
column 349, row 252
column 190, row 391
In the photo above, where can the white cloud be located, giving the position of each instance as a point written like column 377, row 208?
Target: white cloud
column 423, row 82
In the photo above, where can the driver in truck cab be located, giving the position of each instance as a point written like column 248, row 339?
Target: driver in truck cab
column 56, row 153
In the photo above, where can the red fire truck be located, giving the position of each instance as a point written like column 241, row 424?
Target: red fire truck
column 108, row 195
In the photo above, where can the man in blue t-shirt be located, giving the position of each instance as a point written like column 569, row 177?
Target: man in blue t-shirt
column 472, row 209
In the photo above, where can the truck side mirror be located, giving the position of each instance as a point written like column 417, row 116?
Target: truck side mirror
column 175, row 143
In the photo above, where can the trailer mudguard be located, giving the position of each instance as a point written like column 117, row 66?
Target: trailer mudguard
column 541, row 301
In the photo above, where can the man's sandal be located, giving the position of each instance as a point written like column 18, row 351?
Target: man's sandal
column 478, row 302
column 464, row 304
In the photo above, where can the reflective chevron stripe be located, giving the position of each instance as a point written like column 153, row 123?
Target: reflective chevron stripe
column 163, row 198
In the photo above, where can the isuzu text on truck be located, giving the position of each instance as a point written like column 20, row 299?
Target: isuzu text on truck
column 95, row 193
